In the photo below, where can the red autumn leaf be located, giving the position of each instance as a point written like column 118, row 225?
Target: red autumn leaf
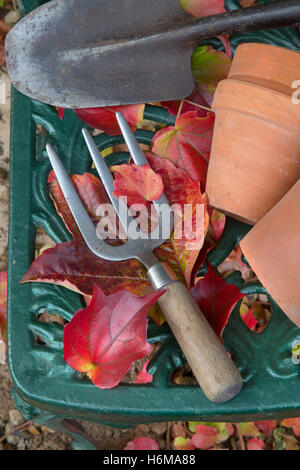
column 205, row 437
column 255, row 444
column 292, row 423
column 215, row 230
column 185, row 196
column 187, row 144
column 3, row 304
column 248, row 317
column 3, row 314
column 215, row 298
column 225, row 430
column 183, row 443
column 266, row 426
column 60, row 112
column 72, row 265
column 105, row 119
column 199, row 8
column 137, row 183
column 217, row 222
column 194, row 102
column 104, row 339
column 143, row 377
column 142, row 443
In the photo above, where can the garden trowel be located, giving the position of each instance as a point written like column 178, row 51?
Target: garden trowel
column 91, row 53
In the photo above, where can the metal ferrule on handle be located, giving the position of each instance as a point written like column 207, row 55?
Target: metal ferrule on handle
column 158, row 276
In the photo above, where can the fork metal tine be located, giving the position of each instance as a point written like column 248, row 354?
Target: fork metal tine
column 107, row 180
column 85, row 225
column 132, row 144
column 140, row 159
column 73, row 200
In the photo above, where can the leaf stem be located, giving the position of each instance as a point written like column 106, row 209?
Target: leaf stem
column 179, row 109
column 168, row 436
column 240, row 436
column 199, row 105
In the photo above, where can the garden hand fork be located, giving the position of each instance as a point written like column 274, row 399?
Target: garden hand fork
column 211, row 365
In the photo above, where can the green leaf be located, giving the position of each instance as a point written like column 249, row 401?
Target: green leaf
column 209, row 67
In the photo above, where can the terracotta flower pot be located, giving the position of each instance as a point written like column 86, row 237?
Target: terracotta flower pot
column 255, row 157
column 272, row 250
column 266, row 65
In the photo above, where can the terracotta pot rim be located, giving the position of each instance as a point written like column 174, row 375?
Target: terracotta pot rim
column 264, row 45
column 254, row 100
column 234, row 82
column 273, row 67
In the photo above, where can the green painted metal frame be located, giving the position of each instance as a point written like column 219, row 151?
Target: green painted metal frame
column 45, row 387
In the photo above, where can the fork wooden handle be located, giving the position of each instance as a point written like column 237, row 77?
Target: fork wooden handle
column 216, row 373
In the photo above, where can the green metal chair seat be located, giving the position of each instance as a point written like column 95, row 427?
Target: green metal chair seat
column 45, row 388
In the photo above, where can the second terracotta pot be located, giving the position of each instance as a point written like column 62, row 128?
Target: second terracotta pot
column 255, row 157
column 270, row 66
column 272, row 249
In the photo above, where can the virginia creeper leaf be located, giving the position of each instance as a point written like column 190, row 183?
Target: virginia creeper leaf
column 248, row 317
column 214, row 232
column 183, row 443
column 199, row 8
column 142, row 443
column 72, row 265
column 255, row 444
column 137, row 183
column 104, row 339
column 187, row 144
column 184, row 193
column 292, row 423
column 215, row 298
column 223, row 430
column 205, row 437
column 266, row 426
column 60, row 112
column 193, row 102
column 249, row 429
column 3, row 304
column 143, row 377
column 209, row 67
column 105, row 119
column 3, row 315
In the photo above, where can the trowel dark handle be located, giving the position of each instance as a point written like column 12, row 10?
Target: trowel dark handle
column 277, row 14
